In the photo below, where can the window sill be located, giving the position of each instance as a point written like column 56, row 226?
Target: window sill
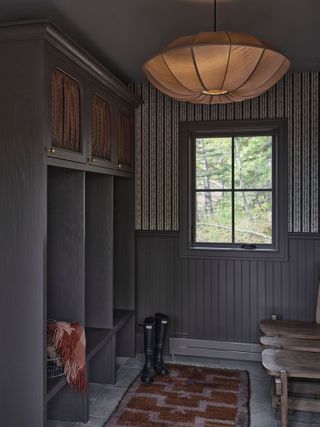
column 193, row 251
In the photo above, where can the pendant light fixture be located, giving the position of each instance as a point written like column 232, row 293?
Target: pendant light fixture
column 216, row 67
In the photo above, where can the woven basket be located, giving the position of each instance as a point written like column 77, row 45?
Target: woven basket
column 55, row 366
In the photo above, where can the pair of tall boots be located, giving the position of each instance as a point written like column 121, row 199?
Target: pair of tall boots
column 155, row 329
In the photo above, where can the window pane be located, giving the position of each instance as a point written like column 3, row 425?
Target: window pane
column 253, row 217
column 213, row 163
column 213, row 217
column 253, row 162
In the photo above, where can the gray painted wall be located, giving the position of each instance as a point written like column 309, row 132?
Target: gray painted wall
column 224, row 299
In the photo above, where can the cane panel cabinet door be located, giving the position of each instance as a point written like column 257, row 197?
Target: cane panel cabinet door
column 125, row 139
column 101, row 135
column 67, row 87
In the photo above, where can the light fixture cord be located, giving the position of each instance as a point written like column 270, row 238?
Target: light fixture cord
column 215, row 15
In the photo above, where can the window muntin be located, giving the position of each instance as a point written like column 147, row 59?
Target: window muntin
column 233, row 190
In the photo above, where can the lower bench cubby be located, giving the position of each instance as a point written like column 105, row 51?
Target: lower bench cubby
column 124, row 325
column 101, row 355
column 65, row 404
column 103, row 345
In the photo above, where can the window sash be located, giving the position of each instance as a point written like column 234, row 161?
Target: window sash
column 232, row 190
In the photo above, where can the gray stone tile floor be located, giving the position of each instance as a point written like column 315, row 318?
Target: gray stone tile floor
column 105, row 398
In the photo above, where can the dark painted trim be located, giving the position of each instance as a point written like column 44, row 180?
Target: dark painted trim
column 188, row 132
column 157, row 233
column 32, row 30
column 304, row 235
column 175, row 233
column 86, row 167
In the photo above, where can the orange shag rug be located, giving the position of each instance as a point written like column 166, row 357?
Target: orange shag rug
column 191, row 396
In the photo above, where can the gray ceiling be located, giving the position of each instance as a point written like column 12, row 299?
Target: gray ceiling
column 122, row 34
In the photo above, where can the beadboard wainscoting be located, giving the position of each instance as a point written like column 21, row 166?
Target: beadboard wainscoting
column 219, row 299
column 295, row 97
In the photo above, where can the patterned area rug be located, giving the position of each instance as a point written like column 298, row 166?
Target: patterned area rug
column 191, row 396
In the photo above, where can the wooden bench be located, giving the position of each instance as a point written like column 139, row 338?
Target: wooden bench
column 292, row 350
column 285, row 364
column 295, row 329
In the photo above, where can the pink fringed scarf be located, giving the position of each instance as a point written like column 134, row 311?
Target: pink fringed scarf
column 69, row 341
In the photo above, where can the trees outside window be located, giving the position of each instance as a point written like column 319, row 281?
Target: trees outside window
column 233, row 183
column 233, row 189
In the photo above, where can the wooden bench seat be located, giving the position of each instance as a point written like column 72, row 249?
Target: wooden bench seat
column 290, row 329
column 297, row 364
column 284, row 364
column 282, row 343
column 292, row 350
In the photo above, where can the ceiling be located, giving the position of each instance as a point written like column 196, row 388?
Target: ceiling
column 122, row 34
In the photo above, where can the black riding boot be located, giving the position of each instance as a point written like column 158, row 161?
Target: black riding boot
column 161, row 329
column 148, row 332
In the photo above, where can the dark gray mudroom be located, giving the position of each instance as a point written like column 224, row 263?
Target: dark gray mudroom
column 159, row 224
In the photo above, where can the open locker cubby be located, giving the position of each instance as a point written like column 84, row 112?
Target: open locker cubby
column 65, row 245
column 124, row 266
column 99, row 278
column 65, row 276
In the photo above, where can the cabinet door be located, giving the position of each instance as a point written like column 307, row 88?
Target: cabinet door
column 67, row 87
column 100, row 130
column 125, row 140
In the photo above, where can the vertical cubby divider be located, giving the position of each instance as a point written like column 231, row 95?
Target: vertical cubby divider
column 99, row 250
column 124, row 266
column 124, row 244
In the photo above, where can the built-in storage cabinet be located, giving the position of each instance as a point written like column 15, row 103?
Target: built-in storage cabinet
column 125, row 139
column 62, row 218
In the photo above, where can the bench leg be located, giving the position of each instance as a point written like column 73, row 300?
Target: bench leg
column 284, row 398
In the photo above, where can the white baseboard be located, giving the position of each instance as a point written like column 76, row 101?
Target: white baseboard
column 215, row 349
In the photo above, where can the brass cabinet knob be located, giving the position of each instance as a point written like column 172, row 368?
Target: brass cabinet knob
column 51, row 150
column 119, row 165
column 93, row 160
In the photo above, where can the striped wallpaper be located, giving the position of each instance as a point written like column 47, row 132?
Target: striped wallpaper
column 296, row 97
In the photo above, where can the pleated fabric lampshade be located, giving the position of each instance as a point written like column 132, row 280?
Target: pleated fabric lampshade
column 216, row 67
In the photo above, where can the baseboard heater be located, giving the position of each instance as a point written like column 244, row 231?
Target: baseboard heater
column 215, row 349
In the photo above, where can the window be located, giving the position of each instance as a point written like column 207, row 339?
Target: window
column 233, row 182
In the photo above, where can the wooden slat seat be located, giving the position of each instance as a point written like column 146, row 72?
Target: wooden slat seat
column 292, row 350
column 290, row 329
column 285, row 364
column 282, row 343
column 297, row 364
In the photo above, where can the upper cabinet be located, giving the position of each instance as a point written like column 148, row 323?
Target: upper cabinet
column 101, row 138
column 125, row 140
column 90, row 112
column 66, row 100
column 66, row 93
